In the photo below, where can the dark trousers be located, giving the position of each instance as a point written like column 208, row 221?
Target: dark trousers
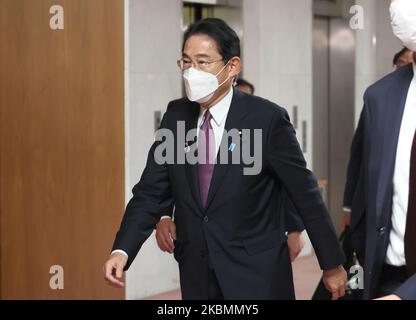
column 214, row 289
column 391, row 279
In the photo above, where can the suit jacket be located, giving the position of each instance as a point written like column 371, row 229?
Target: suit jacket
column 241, row 229
column 369, row 188
column 292, row 219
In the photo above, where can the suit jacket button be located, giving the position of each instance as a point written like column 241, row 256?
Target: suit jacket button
column 382, row 231
column 206, row 219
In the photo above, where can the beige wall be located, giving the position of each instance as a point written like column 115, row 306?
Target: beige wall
column 153, row 38
column 277, row 54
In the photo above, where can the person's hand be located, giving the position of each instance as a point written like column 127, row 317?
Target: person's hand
column 165, row 234
column 391, row 297
column 113, row 269
column 295, row 243
column 335, row 281
column 346, row 219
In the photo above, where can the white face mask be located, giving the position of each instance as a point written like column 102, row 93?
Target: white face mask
column 403, row 21
column 200, row 86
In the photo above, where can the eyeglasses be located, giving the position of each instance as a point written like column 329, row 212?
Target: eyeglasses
column 186, row 63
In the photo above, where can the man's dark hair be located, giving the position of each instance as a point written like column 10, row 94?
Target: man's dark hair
column 398, row 55
column 226, row 39
column 242, row 82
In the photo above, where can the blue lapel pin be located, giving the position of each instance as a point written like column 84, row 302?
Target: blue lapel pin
column 232, row 147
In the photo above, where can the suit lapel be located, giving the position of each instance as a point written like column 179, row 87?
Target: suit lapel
column 392, row 118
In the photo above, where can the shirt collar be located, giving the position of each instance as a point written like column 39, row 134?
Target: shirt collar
column 220, row 110
column 414, row 69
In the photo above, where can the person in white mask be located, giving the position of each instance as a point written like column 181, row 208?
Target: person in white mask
column 207, row 81
column 380, row 191
column 403, row 21
column 201, row 85
column 229, row 228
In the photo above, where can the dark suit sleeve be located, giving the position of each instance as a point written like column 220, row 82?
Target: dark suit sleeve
column 354, row 165
column 407, row 291
column 286, row 161
column 355, row 190
column 293, row 221
column 152, row 199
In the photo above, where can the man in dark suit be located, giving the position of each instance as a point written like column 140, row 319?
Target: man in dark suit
column 380, row 190
column 166, row 229
column 230, row 237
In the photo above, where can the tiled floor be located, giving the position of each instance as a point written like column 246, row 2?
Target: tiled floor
column 306, row 275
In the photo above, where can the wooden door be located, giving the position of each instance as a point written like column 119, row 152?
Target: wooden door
column 61, row 146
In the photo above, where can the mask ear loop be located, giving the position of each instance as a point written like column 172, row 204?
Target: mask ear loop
column 222, row 68
column 228, row 78
column 234, row 84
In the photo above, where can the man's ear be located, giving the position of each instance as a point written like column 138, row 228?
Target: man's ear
column 235, row 66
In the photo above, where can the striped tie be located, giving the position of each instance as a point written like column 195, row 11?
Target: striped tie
column 206, row 156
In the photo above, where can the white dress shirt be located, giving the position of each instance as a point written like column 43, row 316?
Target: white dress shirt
column 395, row 251
column 219, row 114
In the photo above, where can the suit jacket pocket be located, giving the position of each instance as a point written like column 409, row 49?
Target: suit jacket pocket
column 264, row 242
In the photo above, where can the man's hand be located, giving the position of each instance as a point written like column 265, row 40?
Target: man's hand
column 346, row 219
column 335, row 281
column 391, row 297
column 165, row 234
column 113, row 269
column 295, row 243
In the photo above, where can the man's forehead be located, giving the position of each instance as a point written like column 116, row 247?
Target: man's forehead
column 200, row 45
